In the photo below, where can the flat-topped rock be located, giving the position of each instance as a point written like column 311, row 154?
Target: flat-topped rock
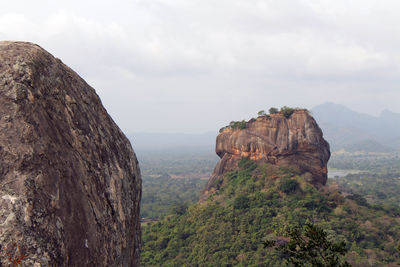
column 296, row 141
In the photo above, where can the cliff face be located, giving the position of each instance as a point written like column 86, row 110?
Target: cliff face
column 70, row 183
column 296, row 141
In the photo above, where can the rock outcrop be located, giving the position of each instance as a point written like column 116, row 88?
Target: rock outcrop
column 296, row 141
column 70, row 183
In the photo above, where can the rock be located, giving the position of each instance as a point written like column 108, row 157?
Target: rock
column 296, row 141
column 70, row 183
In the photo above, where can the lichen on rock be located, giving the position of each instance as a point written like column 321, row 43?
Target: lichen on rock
column 70, row 183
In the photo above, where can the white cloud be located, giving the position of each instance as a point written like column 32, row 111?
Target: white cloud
column 221, row 60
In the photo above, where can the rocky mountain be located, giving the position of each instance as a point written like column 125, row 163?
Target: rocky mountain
column 70, row 183
column 296, row 141
column 268, row 182
column 344, row 127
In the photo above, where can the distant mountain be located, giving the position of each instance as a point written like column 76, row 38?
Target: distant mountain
column 345, row 128
column 342, row 127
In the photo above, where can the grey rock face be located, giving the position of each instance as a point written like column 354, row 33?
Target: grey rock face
column 70, row 183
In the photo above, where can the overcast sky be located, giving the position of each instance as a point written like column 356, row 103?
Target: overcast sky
column 195, row 65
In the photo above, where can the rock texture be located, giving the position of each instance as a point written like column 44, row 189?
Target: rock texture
column 296, row 141
column 70, row 184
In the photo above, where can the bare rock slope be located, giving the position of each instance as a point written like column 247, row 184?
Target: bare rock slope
column 70, row 184
column 296, row 141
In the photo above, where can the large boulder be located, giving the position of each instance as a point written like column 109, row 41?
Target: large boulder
column 70, row 183
column 296, row 141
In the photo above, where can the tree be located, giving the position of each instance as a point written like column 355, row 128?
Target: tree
column 223, row 129
column 273, row 110
column 288, row 186
column 398, row 251
column 261, row 113
column 237, row 124
column 286, row 111
column 311, row 247
column 241, row 202
column 179, row 208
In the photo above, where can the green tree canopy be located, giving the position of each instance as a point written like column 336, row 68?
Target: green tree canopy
column 273, row 110
column 310, row 247
column 261, row 113
column 287, row 111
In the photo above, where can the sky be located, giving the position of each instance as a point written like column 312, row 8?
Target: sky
column 193, row 66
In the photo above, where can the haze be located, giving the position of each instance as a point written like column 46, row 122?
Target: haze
column 193, row 66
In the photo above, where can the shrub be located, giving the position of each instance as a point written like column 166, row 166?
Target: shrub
column 222, row 129
column 287, row 112
column 238, row 124
column 360, row 200
column 234, row 125
column 247, row 164
column 289, row 186
column 273, row 110
column 311, row 246
column 289, row 170
column 261, row 113
column 217, row 183
column 241, row 202
column 179, row 208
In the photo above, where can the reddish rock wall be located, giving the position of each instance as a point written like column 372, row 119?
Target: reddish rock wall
column 296, row 141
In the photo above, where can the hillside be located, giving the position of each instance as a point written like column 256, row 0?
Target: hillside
column 259, row 190
column 259, row 203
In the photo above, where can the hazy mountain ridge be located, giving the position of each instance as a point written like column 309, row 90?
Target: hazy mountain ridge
column 345, row 128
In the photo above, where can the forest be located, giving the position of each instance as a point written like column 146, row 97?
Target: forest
column 253, row 206
column 177, row 178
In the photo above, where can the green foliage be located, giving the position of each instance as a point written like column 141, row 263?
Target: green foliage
column 163, row 195
column 273, row 110
column 185, row 164
column 160, row 191
column 241, row 202
column 287, row 111
column 235, row 125
column 377, row 163
column 398, row 249
column 261, row 113
column 223, row 129
column 378, row 185
column 310, row 246
column 247, row 164
column 289, row 186
column 360, row 200
column 179, row 208
column 229, row 229
column 238, row 124
column 289, row 170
